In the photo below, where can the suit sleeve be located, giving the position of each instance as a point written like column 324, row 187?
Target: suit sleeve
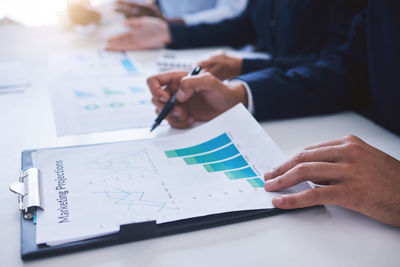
column 333, row 33
column 334, row 83
column 218, row 34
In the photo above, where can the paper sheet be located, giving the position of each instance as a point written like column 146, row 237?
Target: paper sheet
column 14, row 77
column 214, row 168
column 185, row 59
column 97, row 91
column 99, row 105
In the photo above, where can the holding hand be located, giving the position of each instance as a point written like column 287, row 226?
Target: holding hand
column 358, row 177
column 222, row 66
column 200, row 98
column 145, row 33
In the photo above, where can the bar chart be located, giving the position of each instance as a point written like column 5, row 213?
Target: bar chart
column 219, row 154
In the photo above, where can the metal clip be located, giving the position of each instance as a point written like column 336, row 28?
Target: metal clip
column 28, row 190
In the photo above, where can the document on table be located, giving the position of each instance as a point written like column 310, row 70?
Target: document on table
column 97, row 91
column 99, row 105
column 14, row 77
column 217, row 167
column 89, row 64
column 185, row 59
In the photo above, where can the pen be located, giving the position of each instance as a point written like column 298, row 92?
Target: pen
column 171, row 103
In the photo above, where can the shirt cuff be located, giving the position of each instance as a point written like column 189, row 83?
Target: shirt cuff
column 250, row 102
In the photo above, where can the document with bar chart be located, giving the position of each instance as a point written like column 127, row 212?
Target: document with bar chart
column 98, row 105
column 215, row 168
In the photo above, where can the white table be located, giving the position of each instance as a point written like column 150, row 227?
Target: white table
column 329, row 236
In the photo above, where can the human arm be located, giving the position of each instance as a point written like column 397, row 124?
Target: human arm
column 224, row 9
column 355, row 175
column 334, row 83
column 234, row 32
column 152, row 32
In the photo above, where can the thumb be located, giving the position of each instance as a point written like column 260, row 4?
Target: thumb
column 202, row 83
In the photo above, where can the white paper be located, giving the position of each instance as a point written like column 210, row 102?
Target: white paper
column 104, row 186
column 14, row 76
column 92, row 64
column 99, row 105
column 97, row 91
column 187, row 58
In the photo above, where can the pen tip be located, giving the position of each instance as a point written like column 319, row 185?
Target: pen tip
column 153, row 127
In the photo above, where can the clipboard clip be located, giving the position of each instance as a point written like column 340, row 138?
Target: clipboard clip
column 28, row 189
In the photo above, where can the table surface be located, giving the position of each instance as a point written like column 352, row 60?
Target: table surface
column 323, row 236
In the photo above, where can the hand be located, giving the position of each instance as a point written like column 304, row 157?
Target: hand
column 222, row 66
column 145, row 33
column 200, row 98
column 83, row 14
column 132, row 10
column 358, row 177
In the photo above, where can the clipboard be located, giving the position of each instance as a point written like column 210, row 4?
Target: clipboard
column 29, row 197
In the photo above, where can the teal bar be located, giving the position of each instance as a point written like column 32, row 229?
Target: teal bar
column 239, row 174
column 224, row 153
column 230, row 164
column 256, row 182
column 212, row 144
column 129, row 67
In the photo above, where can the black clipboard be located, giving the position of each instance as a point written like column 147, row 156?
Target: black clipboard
column 128, row 233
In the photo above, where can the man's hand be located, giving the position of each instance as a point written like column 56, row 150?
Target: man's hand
column 357, row 176
column 133, row 10
column 145, row 33
column 200, row 98
column 222, row 66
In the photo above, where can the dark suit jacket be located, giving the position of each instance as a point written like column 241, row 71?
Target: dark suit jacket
column 293, row 32
column 361, row 75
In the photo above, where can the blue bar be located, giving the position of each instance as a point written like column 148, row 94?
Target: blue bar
column 224, row 153
column 242, row 173
column 212, row 144
column 230, row 164
column 128, row 65
column 256, row 183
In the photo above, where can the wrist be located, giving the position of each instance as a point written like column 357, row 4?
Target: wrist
column 166, row 33
column 238, row 92
column 238, row 63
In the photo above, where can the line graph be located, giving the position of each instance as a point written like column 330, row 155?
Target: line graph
column 134, row 201
column 132, row 163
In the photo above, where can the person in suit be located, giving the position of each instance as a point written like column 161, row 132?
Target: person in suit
column 360, row 75
column 292, row 32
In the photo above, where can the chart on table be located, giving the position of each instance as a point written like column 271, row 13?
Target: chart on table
column 219, row 154
column 101, row 105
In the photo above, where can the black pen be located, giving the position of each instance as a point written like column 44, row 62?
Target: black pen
column 171, row 103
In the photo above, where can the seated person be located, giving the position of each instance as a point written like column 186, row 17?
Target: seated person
column 186, row 12
column 360, row 75
column 292, row 32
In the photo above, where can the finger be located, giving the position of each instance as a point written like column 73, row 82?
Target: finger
column 322, row 154
column 308, row 198
column 181, row 124
column 122, row 47
column 334, row 142
column 163, row 85
column 310, row 171
column 204, row 82
column 157, row 103
column 205, row 64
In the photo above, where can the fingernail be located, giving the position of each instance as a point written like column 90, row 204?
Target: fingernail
column 268, row 174
column 277, row 200
column 268, row 184
column 163, row 99
column 181, row 94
